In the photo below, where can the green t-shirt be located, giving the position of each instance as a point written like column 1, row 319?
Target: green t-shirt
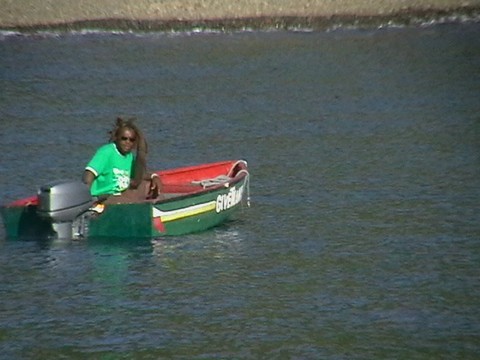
column 112, row 170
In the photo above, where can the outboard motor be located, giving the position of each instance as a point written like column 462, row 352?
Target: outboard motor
column 61, row 202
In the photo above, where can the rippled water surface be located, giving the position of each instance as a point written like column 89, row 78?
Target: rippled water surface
column 363, row 239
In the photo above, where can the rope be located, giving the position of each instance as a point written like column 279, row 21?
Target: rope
column 247, row 178
column 247, row 184
column 222, row 179
column 235, row 165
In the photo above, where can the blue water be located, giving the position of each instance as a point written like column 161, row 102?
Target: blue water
column 363, row 236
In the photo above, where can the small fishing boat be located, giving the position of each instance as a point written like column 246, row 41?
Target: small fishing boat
column 193, row 199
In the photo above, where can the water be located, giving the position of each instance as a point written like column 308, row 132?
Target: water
column 363, row 239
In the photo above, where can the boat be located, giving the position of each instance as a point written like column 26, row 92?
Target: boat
column 193, row 198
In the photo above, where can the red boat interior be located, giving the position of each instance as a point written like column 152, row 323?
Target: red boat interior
column 196, row 178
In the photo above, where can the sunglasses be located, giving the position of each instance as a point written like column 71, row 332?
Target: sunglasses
column 125, row 138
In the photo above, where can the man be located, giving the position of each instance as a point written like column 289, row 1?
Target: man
column 114, row 170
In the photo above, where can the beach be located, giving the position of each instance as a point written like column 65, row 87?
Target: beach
column 53, row 13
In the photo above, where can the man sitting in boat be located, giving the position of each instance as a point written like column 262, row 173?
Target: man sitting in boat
column 118, row 175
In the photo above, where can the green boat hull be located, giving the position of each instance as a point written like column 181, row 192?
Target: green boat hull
column 24, row 223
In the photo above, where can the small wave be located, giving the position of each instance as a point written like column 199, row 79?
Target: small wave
column 7, row 34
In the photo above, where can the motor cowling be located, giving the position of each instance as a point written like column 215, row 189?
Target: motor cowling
column 62, row 201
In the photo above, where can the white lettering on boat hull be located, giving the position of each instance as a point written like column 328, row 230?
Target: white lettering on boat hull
column 229, row 200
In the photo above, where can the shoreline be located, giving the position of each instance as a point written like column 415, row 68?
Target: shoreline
column 141, row 18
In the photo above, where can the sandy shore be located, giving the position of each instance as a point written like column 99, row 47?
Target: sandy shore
column 38, row 13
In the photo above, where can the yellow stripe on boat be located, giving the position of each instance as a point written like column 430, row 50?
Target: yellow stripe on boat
column 172, row 215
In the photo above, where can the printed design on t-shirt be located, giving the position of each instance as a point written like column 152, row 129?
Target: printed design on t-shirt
column 122, row 179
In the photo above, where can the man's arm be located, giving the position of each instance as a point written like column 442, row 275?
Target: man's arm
column 88, row 178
